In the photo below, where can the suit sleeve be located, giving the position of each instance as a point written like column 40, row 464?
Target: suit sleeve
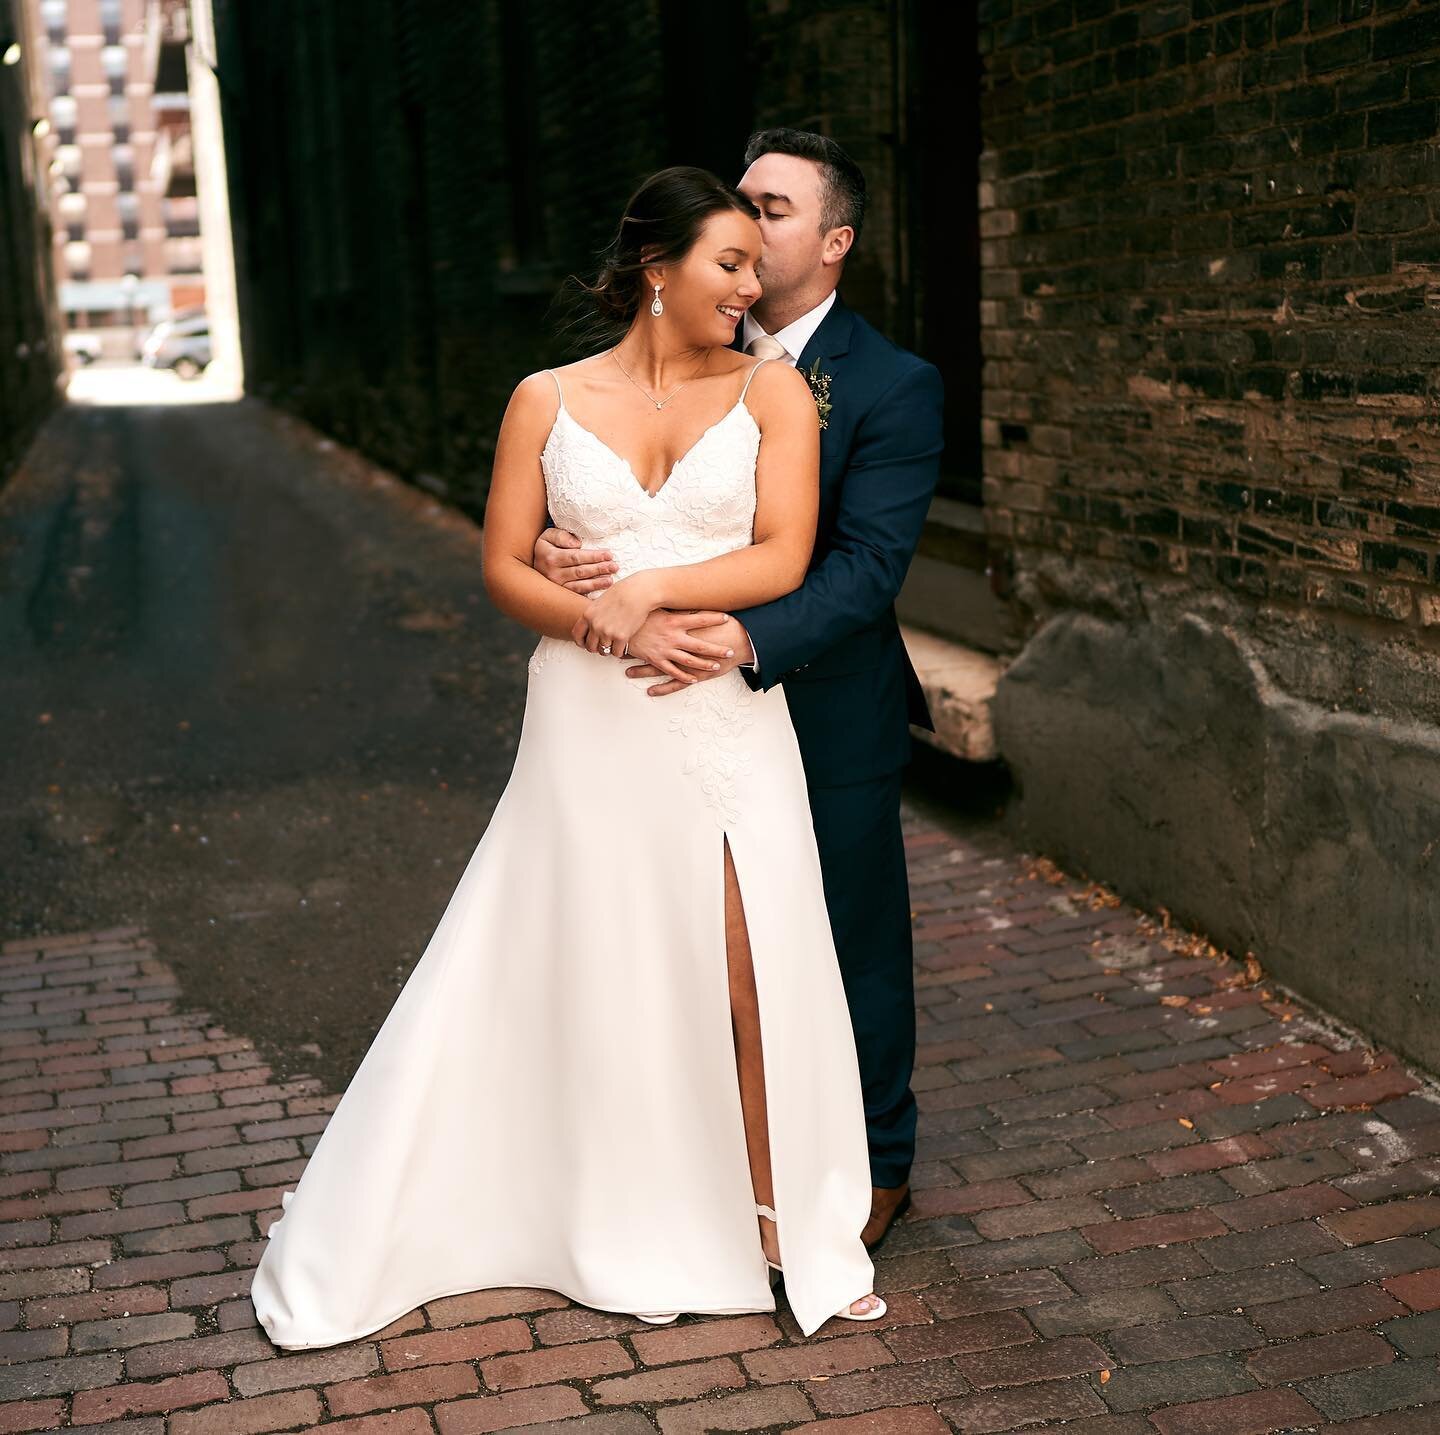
column 884, row 497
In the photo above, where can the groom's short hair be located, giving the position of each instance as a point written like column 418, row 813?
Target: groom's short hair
column 842, row 181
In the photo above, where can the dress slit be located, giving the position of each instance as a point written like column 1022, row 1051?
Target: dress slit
column 748, row 976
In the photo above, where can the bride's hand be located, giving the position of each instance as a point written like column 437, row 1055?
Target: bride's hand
column 616, row 615
column 668, row 643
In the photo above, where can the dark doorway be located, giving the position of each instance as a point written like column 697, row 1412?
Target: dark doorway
column 939, row 173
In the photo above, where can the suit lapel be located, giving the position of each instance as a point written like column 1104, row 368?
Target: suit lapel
column 831, row 339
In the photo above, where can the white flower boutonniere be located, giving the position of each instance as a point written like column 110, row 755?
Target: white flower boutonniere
column 820, row 390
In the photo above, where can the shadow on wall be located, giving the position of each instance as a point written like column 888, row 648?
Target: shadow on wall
column 1164, row 759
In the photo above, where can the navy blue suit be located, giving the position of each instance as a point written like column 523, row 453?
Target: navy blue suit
column 835, row 645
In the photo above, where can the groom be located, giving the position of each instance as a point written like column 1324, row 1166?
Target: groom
column 834, row 642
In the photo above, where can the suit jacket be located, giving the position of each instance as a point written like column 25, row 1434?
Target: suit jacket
column 835, row 642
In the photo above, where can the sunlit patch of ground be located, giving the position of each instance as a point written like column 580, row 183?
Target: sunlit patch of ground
column 126, row 385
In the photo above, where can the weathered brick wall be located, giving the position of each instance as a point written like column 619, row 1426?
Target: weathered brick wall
column 831, row 67
column 1212, row 285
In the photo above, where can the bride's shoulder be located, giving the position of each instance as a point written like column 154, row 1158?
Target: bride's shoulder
column 543, row 391
column 548, row 385
column 775, row 387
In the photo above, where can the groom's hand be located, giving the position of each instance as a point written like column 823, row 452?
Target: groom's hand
column 729, row 634
column 560, row 558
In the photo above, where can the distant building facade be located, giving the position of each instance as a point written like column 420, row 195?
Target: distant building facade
column 124, row 213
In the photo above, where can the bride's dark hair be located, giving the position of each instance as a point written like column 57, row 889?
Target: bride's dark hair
column 661, row 222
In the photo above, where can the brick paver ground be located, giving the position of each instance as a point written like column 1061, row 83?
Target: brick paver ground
column 1152, row 1196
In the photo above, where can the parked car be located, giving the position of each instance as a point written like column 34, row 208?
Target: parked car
column 82, row 346
column 181, row 344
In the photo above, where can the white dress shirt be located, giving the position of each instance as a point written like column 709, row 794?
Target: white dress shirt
column 794, row 336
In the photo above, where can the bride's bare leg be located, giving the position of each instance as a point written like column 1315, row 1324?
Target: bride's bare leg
column 750, row 1062
column 749, row 1059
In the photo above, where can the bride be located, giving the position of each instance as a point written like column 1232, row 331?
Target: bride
column 623, row 1069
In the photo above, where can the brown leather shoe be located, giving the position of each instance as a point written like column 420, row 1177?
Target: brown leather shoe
column 887, row 1205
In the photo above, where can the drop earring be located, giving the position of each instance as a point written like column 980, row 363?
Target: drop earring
column 656, row 307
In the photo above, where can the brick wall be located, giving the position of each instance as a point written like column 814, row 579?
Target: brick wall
column 29, row 333
column 1211, row 248
column 1211, row 286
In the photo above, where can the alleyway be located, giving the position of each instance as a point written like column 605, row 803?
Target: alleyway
column 253, row 698
column 1152, row 1198
column 256, row 714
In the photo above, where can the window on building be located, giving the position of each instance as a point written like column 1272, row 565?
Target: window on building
column 708, row 108
column 939, row 178
column 182, row 217
column 128, row 207
column 110, row 20
column 183, row 256
column 54, row 18
column 119, row 111
column 60, row 71
column 116, row 65
column 62, row 117
column 521, row 130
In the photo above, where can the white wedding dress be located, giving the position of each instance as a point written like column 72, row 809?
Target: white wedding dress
column 553, row 1100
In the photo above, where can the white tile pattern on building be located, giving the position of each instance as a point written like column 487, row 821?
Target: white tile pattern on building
column 120, row 177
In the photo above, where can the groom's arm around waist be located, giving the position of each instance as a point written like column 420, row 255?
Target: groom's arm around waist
column 884, row 497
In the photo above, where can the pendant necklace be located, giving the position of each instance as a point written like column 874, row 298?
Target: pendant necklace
column 659, row 403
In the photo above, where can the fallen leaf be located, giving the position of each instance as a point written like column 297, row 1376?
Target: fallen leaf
column 1104, row 1377
column 1187, row 1124
column 1176, row 1000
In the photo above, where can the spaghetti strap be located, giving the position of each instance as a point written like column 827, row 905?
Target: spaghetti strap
column 558, row 389
column 750, row 380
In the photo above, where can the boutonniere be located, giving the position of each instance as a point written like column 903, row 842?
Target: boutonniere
column 820, row 390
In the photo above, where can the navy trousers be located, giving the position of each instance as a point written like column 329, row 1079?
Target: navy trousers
column 867, row 889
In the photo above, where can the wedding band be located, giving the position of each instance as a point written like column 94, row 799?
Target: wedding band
column 605, row 648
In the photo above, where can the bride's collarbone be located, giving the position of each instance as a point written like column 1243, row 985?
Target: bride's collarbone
column 652, row 442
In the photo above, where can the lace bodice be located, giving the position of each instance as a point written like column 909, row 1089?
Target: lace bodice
column 706, row 507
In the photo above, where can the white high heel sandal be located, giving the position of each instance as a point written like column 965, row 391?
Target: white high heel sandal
column 847, row 1313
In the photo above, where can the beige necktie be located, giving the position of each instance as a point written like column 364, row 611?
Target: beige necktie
column 767, row 347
